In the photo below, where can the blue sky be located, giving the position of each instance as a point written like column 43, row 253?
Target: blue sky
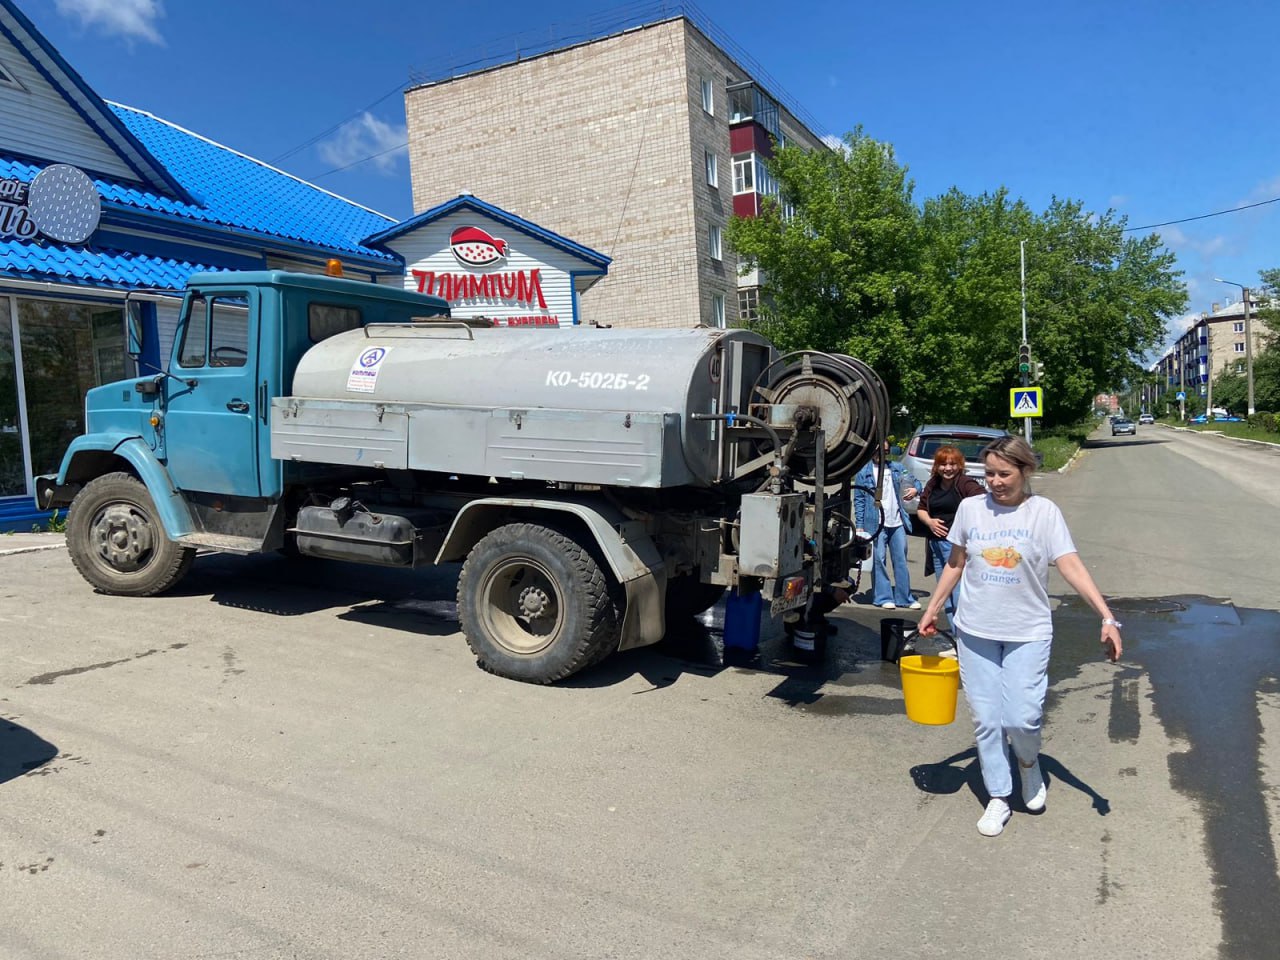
column 1162, row 110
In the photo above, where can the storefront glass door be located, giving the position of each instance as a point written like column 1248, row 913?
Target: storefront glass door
column 13, row 471
column 67, row 348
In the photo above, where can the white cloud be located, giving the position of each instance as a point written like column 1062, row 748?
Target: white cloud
column 366, row 138
column 131, row 19
column 1179, row 240
column 834, row 142
column 1266, row 190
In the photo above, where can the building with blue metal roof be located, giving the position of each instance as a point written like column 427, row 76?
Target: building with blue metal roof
column 100, row 202
column 98, row 199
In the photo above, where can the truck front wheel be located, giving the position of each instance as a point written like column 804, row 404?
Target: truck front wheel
column 535, row 605
column 117, row 543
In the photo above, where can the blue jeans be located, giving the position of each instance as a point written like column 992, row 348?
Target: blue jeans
column 941, row 550
column 1005, row 684
column 894, row 540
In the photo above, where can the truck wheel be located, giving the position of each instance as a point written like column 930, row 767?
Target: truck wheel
column 687, row 596
column 535, row 605
column 117, row 543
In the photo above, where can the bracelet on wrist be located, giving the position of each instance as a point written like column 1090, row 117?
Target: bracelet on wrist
column 1108, row 622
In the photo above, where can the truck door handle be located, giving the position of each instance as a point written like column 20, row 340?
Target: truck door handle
column 238, row 406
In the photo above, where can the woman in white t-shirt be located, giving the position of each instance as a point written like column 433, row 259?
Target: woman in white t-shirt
column 1003, row 544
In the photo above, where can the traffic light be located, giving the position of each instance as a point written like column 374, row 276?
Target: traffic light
column 1024, row 358
column 1037, row 371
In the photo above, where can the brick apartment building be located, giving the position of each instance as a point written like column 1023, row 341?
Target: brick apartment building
column 1214, row 345
column 641, row 144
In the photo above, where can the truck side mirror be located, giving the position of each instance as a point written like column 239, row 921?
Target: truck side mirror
column 133, row 329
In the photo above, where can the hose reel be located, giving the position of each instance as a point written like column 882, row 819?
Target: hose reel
column 849, row 399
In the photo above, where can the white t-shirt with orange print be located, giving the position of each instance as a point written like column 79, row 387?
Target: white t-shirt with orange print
column 1004, row 592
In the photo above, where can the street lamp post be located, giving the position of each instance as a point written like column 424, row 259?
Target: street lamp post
column 1248, row 340
column 1022, row 255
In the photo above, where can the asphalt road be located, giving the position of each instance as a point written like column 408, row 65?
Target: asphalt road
column 293, row 759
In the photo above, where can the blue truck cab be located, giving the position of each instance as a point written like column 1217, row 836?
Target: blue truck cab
column 180, row 458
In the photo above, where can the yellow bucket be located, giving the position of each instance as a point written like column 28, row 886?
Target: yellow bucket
column 930, row 686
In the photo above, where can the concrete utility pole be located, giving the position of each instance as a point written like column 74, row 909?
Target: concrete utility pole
column 1248, row 340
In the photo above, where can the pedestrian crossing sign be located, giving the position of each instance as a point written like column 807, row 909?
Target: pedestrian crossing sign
column 1026, row 402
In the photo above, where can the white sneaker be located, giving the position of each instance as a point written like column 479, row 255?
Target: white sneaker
column 995, row 817
column 1034, row 789
column 888, row 605
column 914, row 605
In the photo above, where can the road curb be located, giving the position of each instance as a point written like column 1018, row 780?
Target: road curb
column 1074, row 457
column 1225, row 436
column 17, row 550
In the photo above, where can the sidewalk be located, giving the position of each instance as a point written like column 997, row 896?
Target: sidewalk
column 13, row 543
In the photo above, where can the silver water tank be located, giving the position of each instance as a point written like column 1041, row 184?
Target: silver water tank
column 665, row 374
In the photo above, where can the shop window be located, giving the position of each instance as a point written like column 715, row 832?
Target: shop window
column 66, row 351
column 708, row 98
column 13, row 471
column 713, row 169
column 715, row 242
column 325, row 320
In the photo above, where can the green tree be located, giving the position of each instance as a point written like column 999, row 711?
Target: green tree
column 930, row 295
column 842, row 272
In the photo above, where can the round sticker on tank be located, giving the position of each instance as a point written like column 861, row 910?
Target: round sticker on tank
column 64, row 204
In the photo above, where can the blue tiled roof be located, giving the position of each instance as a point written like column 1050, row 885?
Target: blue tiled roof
column 93, row 267
column 237, row 191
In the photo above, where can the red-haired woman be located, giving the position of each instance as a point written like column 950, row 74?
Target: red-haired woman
column 948, row 485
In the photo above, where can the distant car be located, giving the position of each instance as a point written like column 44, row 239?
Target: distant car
column 924, row 443
column 1146, row 418
column 1123, row 425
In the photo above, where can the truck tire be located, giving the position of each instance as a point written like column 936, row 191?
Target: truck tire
column 535, row 605
column 687, row 596
column 117, row 542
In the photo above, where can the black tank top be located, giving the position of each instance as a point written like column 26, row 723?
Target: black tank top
column 944, row 502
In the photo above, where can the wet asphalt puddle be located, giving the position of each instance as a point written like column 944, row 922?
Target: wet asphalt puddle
column 1205, row 664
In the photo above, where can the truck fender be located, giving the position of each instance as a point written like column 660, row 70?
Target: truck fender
column 630, row 552
column 93, row 455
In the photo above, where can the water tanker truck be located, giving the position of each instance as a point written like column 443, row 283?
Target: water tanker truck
column 595, row 484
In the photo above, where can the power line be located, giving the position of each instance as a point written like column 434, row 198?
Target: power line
column 1204, row 216
column 398, row 88
column 356, row 163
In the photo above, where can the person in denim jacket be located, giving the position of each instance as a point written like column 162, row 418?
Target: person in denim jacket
column 898, row 487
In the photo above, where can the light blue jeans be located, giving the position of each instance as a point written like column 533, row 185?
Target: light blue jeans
column 1005, row 684
column 892, row 540
column 941, row 550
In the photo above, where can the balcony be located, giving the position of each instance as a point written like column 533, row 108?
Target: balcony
column 749, row 104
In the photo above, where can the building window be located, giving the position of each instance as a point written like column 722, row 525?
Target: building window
column 708, row 98
column 713, row 169
column 1239, row 368
column 67, row 349
column 717, row 310
column 714, row 237
column 748, row 304
column 1239, row 347
column 744, row 173
column 1238, row 327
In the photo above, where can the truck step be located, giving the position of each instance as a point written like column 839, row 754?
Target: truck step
column 222, row 542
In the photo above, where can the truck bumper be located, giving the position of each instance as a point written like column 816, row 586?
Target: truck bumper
column 50, row 493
